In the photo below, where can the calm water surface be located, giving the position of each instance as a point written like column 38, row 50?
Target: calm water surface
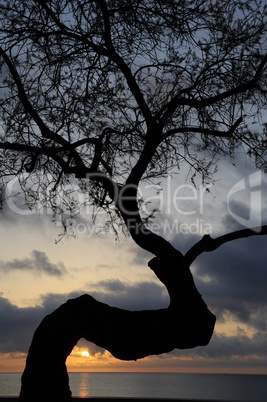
column 156, row 385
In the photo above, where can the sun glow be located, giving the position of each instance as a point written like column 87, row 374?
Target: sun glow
column 85, row 353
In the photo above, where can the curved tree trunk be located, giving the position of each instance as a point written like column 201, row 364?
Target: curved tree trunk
column 127, row 335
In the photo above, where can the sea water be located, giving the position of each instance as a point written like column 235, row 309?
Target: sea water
column 226, row 387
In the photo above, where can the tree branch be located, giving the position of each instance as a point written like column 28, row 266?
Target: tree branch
column 207, row 243
column 109, row 52
column 206, row 131
column 135, row 89
column 178, row 100
column 49, row 151
column 45, row 130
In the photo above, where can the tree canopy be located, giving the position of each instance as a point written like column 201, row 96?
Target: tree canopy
column 127, row 91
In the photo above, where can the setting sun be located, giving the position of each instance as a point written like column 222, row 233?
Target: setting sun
column 85, row 353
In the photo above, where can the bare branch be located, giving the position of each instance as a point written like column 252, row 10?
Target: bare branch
column 209, row 244
column 46, row 132
column 179, row 100
column 201, row 130
column 52, row 152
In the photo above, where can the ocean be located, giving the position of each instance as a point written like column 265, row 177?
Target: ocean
column 226, row 387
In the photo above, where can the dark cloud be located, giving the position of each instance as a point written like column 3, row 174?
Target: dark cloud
column 230, row 351
column 17, row 326
column 222, row 346
column 233, row 279
column 38, row 263
column 137, row 296
column 240, row 210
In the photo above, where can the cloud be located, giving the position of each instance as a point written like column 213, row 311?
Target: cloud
column 233, row 280
column 93, row 349
column 229, row 352
column 222, row 346
column 17, row 326
column 136, row 296
column 140, row 256
column 38, row 263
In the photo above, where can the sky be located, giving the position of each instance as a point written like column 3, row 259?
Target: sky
column 37, row 274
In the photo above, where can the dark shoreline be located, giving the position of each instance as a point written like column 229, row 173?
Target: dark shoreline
column 122, row 399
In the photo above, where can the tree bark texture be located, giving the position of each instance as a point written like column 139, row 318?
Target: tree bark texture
column 127, row 335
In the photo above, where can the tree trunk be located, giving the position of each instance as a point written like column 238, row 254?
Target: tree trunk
column 127, row 335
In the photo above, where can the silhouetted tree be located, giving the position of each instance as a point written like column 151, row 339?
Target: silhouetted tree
column 106, row 94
